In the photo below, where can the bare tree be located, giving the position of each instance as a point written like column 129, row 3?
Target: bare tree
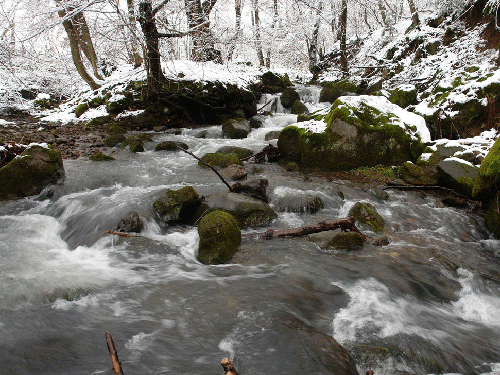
column 256, row 30
column 343, row 39
column 237, row 35
column 203, row 40
column 313, row 44
column 415, row 21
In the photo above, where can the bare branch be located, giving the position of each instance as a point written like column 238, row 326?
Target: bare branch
column 158, row 8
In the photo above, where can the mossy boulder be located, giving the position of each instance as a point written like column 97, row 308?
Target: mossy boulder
column 419, row 175
column 134, row 144
column 288, row 97
column 115, row 128
column 361, row 131
column 493, row 216
column 240, row 151
column 488, row 182
column 220, row 237
column 177, row 206
column 249, row 212
column 331, row 91
column 170, row 146
column 404, row 95
column 366, row 214
column 273, row 83
column 346, row 241
column 96, row 122
column 236, row 128
column 298, row 203
column 299, row 108
column 28, row 174
column 99, row 156
column 113, row 140
column 117, row 103
column 80, row 109
column 216, row 159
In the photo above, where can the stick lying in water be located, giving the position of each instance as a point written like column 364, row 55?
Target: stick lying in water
column 345, row 225
column 122, row 234
column 208, row 165
column 117, row 366
column 228, row 367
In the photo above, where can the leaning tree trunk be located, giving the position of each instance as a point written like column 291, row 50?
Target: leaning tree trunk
column 415, row 21
column 151, row 36
column 203, row 41
column 134, row 41
column 237, row 35
column 343, row 39
column 74, row 43
column 85, row 42
column 256, row 26
column 313, row 45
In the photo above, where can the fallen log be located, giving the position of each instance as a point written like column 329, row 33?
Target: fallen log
column 345, row 225
column 117, row 366
column 228, row 367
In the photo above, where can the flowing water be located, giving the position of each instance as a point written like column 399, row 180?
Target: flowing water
column 429, row 301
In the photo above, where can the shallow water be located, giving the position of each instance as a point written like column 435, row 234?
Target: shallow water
column 427, row 302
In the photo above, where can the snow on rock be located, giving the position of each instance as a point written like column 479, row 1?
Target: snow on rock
column 6, row 123
column 409, row 121
column 313, row 126
column 100, row 111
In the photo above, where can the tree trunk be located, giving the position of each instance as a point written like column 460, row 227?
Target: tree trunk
column 273, row 26
column 343, row 39
column 85, row 42
column 256, row 28
column 153, row 64
column 73, row 37
column 415, row 21
column 313, row 45
column 203, row 48
column 383, row 13
column 237, row 35
column 135, row 57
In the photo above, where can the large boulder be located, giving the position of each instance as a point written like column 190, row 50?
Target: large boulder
column 331, row 91
column 220, row 237
column 404, row 95
column 255, row 188
column 273, row 83
column 34, row 169
column 216, row 159
column 360, row 131
column 457, row 174
column 177, row 206
column 237, row 128
column 288, row 97
column 419, row 175
column 257, row 121
column 366, row 214
column 248, row 211
column 299, row 108
column 242, row 152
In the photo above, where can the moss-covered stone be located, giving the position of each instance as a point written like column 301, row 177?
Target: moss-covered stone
column 292, row 167
column 216, row 159
column 273, row 83
column 366, row 214
column 80, row 109
column 404, row 96
column 457, row 175
column 493, row 215
column 113, row 140
column 97, row 122
column 288, row 97
column 300, row 203
column 240, row 151
column 96, row 101
column 236, row 128
column 145, row 137
column 298, row 108
column 31, row 172
column 170, row 146
column 134, row 144
column 346, row 241
column 488, row 181
column 99, row 156
column 115, row 128
column 419, row 175
column 220, row 237
column 177, row 206
column 117, row 104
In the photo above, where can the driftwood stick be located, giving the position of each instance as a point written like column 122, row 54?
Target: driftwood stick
column 122, row 234
column 228, row 367
column 345, row 225
column 208, row 165
column 117, row 366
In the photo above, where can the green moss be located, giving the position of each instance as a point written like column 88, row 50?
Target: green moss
column 489, row 174
column 216, row 159
column 134, row 144
column 99, row 156
column 220, row 237
column 292, row 167
column 346, row 241
column 145, row 137
column 493, row 216
column 113, row 140
column 115, row 128
column 379, row 173
column 97, row 121
column 403, row 98
column 465, row 186
column 96, row 101
column 298, row 108
column 472, row 69
column 80, row 109
column 177, row 206
column 240, row 151
column 365, row 213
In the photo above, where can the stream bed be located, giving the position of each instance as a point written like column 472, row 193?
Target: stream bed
column 427, row 302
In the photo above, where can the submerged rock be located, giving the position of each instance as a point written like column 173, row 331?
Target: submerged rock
column 366, row 214
column 30, row 172
column 257, row 121
column 346, row 241
column 133, row 222
column 299, row 203
column 240, row 151
column 220, row 237
column 249, row 212
column 170, row 146
column 113, row 140
column 99, row 156
column 177, row 206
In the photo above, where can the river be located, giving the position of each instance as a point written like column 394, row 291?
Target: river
column 428, row 301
